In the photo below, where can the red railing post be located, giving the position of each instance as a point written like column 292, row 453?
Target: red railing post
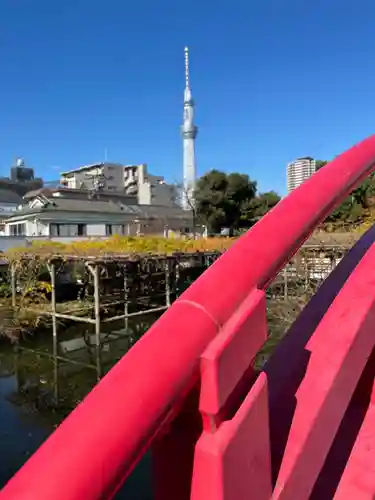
column 232, row 457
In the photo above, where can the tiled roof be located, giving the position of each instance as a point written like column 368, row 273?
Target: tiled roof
column 57, row 204
column 8, row 196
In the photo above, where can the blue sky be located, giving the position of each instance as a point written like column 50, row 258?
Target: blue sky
column 272, row 80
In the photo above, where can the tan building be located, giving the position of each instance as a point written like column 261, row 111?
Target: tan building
column 131, row 180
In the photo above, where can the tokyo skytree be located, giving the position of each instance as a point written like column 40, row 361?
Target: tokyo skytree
column 189, row 133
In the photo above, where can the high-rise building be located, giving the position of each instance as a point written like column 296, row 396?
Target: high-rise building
column 298, row 171
column 189, row 133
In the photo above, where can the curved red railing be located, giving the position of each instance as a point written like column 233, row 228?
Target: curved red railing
column 97, row 446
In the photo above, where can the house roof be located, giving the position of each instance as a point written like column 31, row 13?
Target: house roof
column 36, row 192
column 86, row 205
column 83, row 194
column 53, row 206
column 160, row 211
column 8, row 196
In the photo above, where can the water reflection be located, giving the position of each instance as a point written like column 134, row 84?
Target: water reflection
column 20, row 432
column 39, row 387
column 37, row 391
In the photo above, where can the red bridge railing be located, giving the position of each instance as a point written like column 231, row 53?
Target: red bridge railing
column 199, row 354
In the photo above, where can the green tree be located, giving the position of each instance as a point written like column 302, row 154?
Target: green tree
column 365, row 192
column 230, row 201
column 220, row 199
column 268, row 200
column 320, row 163
column 356, row 205
column 258, row 207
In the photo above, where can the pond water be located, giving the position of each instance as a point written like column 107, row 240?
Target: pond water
column 38, row 390
column 28, row 413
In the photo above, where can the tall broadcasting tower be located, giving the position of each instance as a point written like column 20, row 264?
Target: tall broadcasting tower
column 189, row 133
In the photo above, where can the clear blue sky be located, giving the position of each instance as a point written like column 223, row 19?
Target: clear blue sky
column 272, row 80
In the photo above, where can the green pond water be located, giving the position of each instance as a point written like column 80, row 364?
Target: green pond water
column 28, row 388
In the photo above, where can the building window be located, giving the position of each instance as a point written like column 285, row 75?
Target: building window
column 71, row 183
column 111, row 229
column 66, row 230
column 18, row 229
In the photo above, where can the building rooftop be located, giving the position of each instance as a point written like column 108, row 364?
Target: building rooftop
column 53, row 205
column 90, row 166
column 9, row 196
column 72, row 193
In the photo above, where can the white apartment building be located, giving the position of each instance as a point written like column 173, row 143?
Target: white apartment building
column 132, row 180
column 298, row 171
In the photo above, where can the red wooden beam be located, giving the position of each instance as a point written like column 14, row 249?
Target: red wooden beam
column 358, row 479
column 336, row 356
column 226, row 376
column 228, row 357
column 232, row 457
column 286, row 367
column 233, row 463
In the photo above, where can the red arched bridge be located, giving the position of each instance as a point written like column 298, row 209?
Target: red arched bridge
column 302, row 428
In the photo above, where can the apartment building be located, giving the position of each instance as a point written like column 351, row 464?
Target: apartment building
column 298, row 171
column 132, row 180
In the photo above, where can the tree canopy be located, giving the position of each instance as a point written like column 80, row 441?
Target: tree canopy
column 356, row 206
column 230, row 201
column 320, row 163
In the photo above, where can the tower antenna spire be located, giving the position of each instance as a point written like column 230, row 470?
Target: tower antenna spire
column 187, row 83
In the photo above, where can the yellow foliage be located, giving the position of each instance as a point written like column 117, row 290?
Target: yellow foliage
column 41, row 286
column 121, row 245
column 365, row 225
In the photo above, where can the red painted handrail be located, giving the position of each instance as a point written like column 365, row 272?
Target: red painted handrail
column 96, row 447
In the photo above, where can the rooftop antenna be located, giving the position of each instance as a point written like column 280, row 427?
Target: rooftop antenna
column 20, row 162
